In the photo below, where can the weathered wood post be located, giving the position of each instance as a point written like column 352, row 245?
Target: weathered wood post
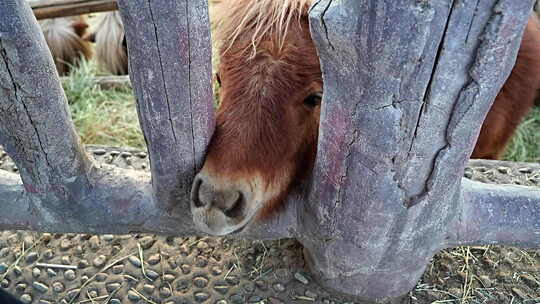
column 407, row 86
column 170, row 69
column 33, row 112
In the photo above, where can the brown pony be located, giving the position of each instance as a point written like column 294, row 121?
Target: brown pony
column 64, row 39
column 267, row 123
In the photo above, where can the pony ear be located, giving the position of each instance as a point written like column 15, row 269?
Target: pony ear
column 80, row 28
column 90, row 37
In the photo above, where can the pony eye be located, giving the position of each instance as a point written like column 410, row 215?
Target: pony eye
column 314, row 99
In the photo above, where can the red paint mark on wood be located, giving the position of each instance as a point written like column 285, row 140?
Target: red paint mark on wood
column 30, row 188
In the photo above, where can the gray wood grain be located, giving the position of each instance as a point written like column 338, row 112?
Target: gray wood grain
column 35, row 122
column 495, row 215
column 121, row 202
column 407, row 85
column 169, row 67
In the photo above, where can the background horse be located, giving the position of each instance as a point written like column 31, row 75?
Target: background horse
column 267, row 123
column 110, row 43
column 64, row 39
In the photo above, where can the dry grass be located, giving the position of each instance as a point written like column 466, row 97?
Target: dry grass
column 109, row 117
column 104, row 117
column 480, row 274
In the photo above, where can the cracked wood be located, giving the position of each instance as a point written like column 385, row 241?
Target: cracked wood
column 169, row 60
column 33, row 109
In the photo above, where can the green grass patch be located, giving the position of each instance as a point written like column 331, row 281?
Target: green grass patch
column 109, row 117
column 103, row 117
column 525, row 144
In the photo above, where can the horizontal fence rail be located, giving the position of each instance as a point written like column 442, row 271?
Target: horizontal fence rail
column 44, row 9
column 132, row 210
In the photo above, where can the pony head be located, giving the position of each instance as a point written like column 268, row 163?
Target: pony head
column 267, row 122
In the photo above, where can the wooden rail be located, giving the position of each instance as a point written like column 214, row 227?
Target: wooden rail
column 44, row 9
column 108, row 82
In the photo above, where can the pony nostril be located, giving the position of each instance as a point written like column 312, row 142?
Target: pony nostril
column 195, row 195
column 230, row 202
column 237, row 208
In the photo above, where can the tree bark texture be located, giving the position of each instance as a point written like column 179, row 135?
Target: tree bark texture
column 407, row 85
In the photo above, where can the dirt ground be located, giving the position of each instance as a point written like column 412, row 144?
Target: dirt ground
column 70, row 268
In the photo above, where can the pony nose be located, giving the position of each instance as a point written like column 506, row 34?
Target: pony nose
column 229, row 201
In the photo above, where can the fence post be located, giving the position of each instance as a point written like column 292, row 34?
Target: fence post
column 170, row 69
column 407, row 86
column 35, row 122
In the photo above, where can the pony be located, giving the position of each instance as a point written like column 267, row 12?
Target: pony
column 110, row 43
column 270, row 97
column 64, row 39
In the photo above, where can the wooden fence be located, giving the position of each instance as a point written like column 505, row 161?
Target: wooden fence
column 407, row 85
column 44, row 9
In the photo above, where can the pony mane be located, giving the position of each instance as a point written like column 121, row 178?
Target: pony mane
column 109, row 36
column 65, row 45
column 259, row 17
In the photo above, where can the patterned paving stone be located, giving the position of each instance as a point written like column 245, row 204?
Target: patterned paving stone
column 80, row 268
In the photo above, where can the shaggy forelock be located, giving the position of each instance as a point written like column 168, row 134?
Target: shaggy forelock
column 258, row 17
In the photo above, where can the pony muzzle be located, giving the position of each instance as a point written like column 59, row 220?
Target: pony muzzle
column 219, row 208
